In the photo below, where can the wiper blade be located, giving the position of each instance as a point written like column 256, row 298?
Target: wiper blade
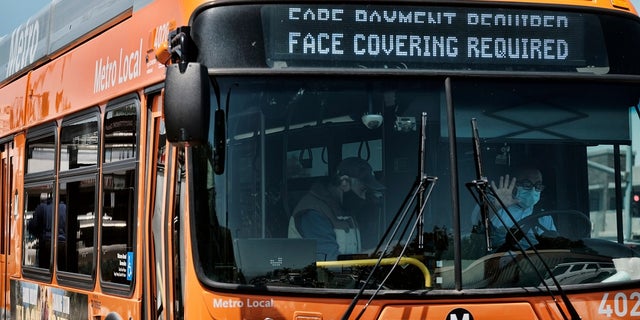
column 416, row 224
column 421, row 190
column 480, row 183
column 482, row 196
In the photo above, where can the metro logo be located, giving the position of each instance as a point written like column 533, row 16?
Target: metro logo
column 459, row 314
column 24, row 45
column 109, row 72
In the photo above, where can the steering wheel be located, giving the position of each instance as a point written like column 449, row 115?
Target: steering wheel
column 570, row 224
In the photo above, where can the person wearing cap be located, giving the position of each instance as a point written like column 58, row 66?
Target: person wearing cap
column 323, row 213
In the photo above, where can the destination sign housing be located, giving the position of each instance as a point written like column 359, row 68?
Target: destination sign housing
column 435, row 37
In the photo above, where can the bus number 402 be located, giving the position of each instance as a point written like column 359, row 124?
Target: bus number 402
column 620, row 304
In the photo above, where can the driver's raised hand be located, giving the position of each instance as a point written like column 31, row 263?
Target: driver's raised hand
column 504, row 190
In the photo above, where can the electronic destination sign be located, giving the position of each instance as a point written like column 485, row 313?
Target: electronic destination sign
column 431, row 37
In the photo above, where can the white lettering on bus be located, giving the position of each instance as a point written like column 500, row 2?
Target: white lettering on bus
column 405, row 17
column 227, row 303
column 248, row 303
column 24, row 45
column 517, row 48
column 260, row 303
column 130, row 65
column 441, row 43
column 109, row 73
column 319, row 14
column 622, row 304
column 401, row 45
column 517, row 20
column 405, row 45
column 322, row 43
column 105, row 75
column 161, row 34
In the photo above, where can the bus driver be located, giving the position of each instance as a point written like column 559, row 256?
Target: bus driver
column 519, row 194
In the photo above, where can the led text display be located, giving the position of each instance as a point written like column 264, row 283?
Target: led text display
column 421, row 37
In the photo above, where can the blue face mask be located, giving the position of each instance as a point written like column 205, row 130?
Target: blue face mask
column 527, row 198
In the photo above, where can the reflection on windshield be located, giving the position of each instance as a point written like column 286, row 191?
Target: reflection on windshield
column 317, row 172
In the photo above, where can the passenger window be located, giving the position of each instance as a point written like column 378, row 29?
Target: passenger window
column 38, row 198
column 77, row 193
column 35, row 236
column 120, row 128
column 307, row 163
column 368, row 150
column 78, row 199
column 40, row 154
column 118, row 194
column 117, row 227
column 79, row 144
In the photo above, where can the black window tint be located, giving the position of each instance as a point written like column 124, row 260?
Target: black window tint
column 117, row 227
column 37, row 225
column 79, row 201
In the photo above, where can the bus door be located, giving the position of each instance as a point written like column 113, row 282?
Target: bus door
column 5, row 215
column 164, row 280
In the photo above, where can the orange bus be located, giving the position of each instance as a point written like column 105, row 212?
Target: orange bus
column 306, row 160
column 80, row 130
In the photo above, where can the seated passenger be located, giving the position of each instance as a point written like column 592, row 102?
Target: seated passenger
column 519, row 194
column 324, row 213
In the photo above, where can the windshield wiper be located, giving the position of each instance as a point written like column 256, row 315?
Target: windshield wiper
column 417, row 198
column 482, row 195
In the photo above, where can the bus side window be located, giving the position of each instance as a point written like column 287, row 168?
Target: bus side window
column 119, row 194
column 76, row 193
column 39, row 171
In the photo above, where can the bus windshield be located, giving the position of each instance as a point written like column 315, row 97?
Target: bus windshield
column 319, row 171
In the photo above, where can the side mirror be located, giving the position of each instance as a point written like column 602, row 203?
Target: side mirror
column 187, row 103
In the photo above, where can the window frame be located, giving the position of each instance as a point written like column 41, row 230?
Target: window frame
column 34, row 179
column 115, row 166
